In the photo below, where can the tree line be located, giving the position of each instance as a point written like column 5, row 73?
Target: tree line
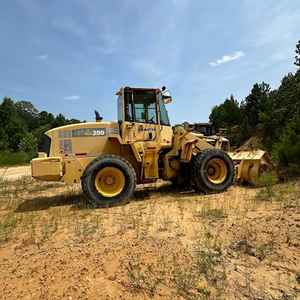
column 271, row 115
column 22, row 126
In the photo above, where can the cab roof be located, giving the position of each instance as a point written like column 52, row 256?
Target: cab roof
column 138, row 89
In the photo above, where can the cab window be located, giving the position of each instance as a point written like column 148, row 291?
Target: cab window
column 140, row 106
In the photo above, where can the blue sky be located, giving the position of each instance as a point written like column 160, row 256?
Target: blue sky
column 71, row 56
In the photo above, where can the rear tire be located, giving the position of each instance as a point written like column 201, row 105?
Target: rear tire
column 107, row 180
column 212, row 170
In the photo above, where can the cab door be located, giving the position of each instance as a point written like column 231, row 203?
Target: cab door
column 141, row 129
column 141, row 116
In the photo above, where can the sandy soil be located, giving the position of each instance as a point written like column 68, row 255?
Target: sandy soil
column 164, row 244
column 12, row 173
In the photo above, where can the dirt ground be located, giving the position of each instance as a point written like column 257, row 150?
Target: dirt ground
column 164, row 244
column 13, row 173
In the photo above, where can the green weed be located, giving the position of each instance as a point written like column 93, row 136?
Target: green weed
column 7, row 226
column 85, row 230
column 267, row 182
column 48, row 230
column 215, row 213
column 142, row 279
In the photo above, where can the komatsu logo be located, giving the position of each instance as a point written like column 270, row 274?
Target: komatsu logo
column 146, row 129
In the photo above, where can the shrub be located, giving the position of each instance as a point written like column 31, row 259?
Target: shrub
column 15, row 158
column 287, row 151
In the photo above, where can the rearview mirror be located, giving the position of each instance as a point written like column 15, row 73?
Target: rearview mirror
column 166, row 96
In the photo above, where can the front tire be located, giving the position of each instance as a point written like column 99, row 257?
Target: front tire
column 107, row 180
column 212, row 170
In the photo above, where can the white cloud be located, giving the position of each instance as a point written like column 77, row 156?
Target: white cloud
column 227, row 58
column 73, row 97
column 44, row 56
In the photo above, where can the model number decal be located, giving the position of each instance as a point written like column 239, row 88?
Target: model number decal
column 99, row 132
column 83, row 132
column 89, row 132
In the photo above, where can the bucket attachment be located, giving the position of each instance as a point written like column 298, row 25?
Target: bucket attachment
column 250, row 165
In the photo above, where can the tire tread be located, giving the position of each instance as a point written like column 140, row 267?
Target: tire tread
column 198, row 179
column 98, row 200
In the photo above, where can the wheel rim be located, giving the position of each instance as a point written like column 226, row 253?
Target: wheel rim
column 109, row 181
column 216, row 170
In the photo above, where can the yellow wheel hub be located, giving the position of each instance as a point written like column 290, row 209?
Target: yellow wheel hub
column 216, row 171
column 109, row 181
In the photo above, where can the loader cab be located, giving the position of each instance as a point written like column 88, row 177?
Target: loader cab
column 143, row 117
column 140, row 105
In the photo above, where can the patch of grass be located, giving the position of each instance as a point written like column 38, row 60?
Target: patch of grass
column 15, row 187
column 13, row 192
column 24, row 184
column 258, row 250
column 286, row 193
column 265, row 195
column 7, row 225
column 210, row 213
column 48, row 230
column 142, row 279
column 196, row 273
column 185, row 280
column 263, row 250
column 164, row 223
column 15, row 158
column 85, row 230
column 207, row 255
column 4, row 187
column 267, row 182
column 203, row 277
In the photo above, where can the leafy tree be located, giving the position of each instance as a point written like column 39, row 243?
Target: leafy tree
column 287, row 150
column 22, row 126
column 226, row 114
column 60, row 120
column 28, row 143
column 255, row 103
column 273, row 115
column 297, row 57
column 28, row 113
column 13, row 125
column 7, row 111
column 45, row 118
column 3, row 139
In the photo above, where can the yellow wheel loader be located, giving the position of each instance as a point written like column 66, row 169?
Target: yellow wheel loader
column 110, row 158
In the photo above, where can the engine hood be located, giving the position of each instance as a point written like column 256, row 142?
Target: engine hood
column 84, row 129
